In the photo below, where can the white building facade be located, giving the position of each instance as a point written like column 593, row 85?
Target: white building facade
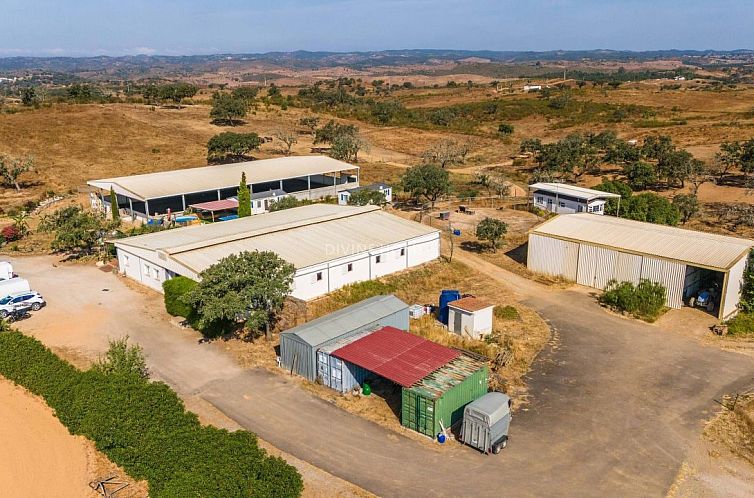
column 565, row 199
column 330, row 246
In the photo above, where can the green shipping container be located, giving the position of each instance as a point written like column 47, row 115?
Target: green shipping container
column 442, row 395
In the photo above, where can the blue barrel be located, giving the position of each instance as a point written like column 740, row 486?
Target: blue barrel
column 447, row 296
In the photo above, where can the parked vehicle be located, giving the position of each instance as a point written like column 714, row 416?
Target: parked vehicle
column 6, row 271
column 706, row 298
column 19, row 312
column 34, row 300
column 13, row 286
column 486, row 422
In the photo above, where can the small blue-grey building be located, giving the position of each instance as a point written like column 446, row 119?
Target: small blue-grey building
column 299, row 346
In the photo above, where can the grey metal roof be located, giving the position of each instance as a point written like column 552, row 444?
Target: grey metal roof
column 269, row 193
column 303, row 236
column 202, row 179
column 373, row 186
column 687, row 246
column 357, row 315
column 573, row 191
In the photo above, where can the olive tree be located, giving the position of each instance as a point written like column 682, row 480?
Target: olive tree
column 427, row 181
column 11, row 168
column 492, row 230
column 247, row 288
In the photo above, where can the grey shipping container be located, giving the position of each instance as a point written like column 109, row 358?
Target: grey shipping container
column 299, row 345
column 338, row 374
column 486, row 422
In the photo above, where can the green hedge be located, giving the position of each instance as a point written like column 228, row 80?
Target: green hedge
column 174, row 290
column 144, row 427
column 645, row 301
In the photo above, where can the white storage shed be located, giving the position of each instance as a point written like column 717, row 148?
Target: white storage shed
column 592, row 250
column 470, row 317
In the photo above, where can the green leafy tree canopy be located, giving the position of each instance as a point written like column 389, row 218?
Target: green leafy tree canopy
column 244, row 198
column 233, row 146
column 492, row 230
column 427, row 181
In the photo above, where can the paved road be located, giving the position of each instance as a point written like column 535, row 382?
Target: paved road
column 615, row 403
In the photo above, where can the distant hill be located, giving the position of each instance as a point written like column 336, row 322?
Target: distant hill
column 150, row 65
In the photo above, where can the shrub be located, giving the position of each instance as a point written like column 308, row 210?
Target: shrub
column 123, row 359
column 645, row 301
column 506, row 312
column 143, row 427
column 505, row 129
column 359, row 291
column 174, row 290
column 741, row 325
column 10, row 233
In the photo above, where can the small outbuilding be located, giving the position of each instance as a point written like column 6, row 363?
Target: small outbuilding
column 386, row 190
column 562, row 198
column 470, row 317
column 299, row 346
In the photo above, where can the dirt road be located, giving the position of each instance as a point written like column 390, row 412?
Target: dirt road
column 615, row 403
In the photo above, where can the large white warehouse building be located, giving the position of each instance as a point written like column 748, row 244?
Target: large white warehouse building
column 592, row 250
column 329, row 245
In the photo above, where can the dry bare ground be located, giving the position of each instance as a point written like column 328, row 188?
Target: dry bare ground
column 40, row 458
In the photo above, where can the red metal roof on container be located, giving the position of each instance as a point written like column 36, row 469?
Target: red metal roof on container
column 216, row 205
column 397, row 355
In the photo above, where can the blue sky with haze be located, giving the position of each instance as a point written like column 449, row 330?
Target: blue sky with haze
column 171, row 27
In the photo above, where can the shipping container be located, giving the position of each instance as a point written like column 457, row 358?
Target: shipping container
column 339, row 374
column 438, row 399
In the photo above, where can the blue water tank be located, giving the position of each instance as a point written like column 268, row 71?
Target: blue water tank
column 447, row 296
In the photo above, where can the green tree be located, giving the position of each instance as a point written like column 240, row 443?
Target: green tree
column 675, row 166
column 227, row 110
column 365, row 196
column 505, row 129
column 655, row 146
column 233, row 146
column 244, row 198
column 249, row 287
column 114, row 211
column 173, row 292
column 346, row 147
column 332, row 130
column 76, row 230
column 247, row 93
column 640, row 175
column 746, row 302
column 288, row 202
column 11, row 168
column 427, row 181
column 310, row 122
column 651, row 208
column 614, row 187
column 491, row 230
column 29, row 96
column 122, row 359
column 687, row 205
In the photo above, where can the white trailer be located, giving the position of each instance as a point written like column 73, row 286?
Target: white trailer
column 13, row 285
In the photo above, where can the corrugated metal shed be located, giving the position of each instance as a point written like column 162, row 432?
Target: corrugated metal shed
column 573, row 191
column 303, row 236
column 299, row 345
column 396, row 355
column 183, row 181
column 706, row 250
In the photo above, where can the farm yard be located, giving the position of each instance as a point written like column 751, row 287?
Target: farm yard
column 456, row 153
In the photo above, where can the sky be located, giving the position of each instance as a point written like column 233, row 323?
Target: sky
column 172, row 27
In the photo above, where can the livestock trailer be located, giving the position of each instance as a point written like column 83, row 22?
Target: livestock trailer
column 486, row 422
column 437, row 401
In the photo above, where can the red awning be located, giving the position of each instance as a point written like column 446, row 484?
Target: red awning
column 396, row 355
column 223, row 205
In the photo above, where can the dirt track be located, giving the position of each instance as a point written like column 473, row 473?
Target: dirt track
column 615, row 406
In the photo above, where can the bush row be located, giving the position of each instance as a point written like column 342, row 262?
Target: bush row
column 144, row 427
column 645, row 301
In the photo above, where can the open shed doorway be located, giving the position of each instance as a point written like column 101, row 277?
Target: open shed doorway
column 703, row 288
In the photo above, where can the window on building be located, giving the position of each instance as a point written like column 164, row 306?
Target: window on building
column 403, row 251
column 540, row 200
column 319, row 276
column 350, row 266
column 581, row 208
column 561, row 204
column 126, row 262
column 590, row 209
column 378, row 259
column 155, row 272
column 259, row 204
